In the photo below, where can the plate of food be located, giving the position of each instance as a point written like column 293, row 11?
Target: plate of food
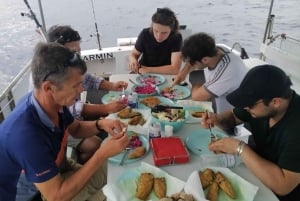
column 176, row 92
column 113, row 96
column 145, row 90
column 140, row 183
column 138, row 148
column 198, row 140
column 151, row 101
column 132, row 116
column 223, row 184
column 150, row 79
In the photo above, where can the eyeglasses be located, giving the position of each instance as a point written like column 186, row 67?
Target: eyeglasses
column 75, row 60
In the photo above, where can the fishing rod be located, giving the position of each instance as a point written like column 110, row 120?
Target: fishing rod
column 96, row 26
column 31, row 15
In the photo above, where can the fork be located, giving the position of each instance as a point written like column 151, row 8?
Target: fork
column 213, row 137
column 127, row 149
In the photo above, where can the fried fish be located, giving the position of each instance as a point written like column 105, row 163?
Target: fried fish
column 137, row 152
column 135, row 120
column 150, row 101
column 224, row 184
column 125, row 113
column 198, row 114
column 206, row 177
column 213, row 192
column 160, row 187
column 144, row 185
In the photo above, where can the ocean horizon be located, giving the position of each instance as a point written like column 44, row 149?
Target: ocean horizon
column 229, row 21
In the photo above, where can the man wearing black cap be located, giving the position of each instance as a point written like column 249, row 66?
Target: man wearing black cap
column 271, row 109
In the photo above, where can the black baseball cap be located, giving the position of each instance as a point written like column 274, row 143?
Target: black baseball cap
column 261, row 82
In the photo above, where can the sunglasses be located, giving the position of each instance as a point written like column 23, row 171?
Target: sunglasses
column 73, row 61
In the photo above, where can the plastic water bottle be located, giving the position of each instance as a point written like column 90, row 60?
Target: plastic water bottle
column 220, row 160
column 154, row 131
column 133, row 100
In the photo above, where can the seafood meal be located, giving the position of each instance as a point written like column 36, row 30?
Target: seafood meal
column 147, row 182
column 215, row 182
column 168, row 92
column 197, row 114
column 176, row 92
column 171, row 115
column 179, row 197
column 135, row 118
column 150, row 101
column 137, row 147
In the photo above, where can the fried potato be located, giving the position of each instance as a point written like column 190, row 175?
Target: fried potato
column 213, row 192
column 224, row 185
column 206, row 177
column 144, row 185
column 137, row 152
column 160, row 187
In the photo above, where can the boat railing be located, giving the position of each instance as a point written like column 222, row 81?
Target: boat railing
column 14, row 92
column 284, row 51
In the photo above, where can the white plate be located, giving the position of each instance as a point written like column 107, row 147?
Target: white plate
column 198, row 140
column 159, row 79
column 117, row 159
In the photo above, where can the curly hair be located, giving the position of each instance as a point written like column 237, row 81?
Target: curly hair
column 198, row 46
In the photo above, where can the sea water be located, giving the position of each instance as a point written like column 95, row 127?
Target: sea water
column 229, row 21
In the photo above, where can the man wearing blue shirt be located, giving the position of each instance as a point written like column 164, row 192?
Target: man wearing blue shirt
column 33, row 138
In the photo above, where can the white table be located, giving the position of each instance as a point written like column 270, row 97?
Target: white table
column 182, row 171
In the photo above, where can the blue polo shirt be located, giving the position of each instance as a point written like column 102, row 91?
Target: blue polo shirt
column 30, row 142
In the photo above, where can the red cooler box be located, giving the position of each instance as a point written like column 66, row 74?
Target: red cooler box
column 169, row 150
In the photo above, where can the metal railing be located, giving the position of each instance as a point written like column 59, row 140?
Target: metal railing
column 14, row 91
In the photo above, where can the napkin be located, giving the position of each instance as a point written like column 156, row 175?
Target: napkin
column 124, row 188
column 193, row 186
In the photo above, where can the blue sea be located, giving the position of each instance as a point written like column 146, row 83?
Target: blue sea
column 229, row 21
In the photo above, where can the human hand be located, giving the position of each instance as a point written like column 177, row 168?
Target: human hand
column 134, row 65
column 116, row 106
column 225, row 145
column 113, row 145
column 112, row 126
column 208, row 119
column 119, row 86
column 178, row 79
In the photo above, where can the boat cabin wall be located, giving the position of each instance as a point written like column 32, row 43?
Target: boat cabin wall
column 107, row 61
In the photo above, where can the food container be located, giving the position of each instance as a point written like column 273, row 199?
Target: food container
column 168, row 151
column 175, row 124
column 144, row 90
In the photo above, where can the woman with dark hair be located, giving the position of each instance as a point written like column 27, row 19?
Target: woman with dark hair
column 157, row 49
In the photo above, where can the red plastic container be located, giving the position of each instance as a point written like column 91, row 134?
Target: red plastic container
column 169, row 150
